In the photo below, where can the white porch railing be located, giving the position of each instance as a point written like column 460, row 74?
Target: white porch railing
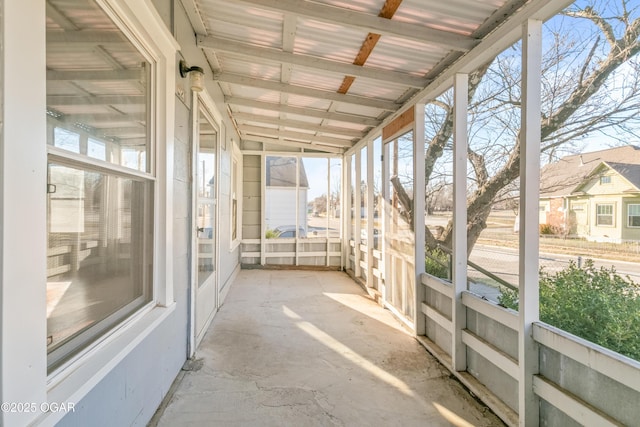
column 578, row 382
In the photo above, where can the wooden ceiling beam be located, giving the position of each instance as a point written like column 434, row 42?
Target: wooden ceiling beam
column 388, row 10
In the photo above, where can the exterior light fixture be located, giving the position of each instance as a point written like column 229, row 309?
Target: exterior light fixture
column 196, row 75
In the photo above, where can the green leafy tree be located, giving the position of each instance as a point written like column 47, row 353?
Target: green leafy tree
column 598, row 305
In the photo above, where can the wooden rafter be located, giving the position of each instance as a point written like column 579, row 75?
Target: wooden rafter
column 388, row 10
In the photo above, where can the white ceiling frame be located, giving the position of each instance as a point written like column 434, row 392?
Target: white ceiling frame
column 108, row 117
column 120, row 131
column 254, row 52
column 286, row 143
column 59, row 18
column 298, row 124
column 95, row 100
column 96, row 75
column 85, row 37
column 193, row 13
column 257, row 130
column 310, row 112
column 251, row 81
column 366, row 22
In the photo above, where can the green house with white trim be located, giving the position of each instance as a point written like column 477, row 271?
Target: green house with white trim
column 595, row 196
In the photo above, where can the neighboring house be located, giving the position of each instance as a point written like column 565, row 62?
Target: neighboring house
column 280, row 196
column 593, row 195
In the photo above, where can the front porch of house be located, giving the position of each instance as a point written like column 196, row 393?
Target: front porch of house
column 312, row 348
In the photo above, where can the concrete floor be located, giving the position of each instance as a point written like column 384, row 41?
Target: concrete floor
column 302, row 348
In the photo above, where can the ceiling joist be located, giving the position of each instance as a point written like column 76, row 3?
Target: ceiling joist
column 250, row 81
column 256, row 118
column 139, row 131
column 262, row 131
column 254, row 52
column 310, row 112
column 97, row 118
column 60, row 18
column 85, row 37
column 288, row 143
column 59, row 100
column 366, row 22
column 96, row 75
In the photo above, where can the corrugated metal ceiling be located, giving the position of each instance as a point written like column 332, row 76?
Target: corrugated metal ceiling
column 302, row 40
column 336, row 62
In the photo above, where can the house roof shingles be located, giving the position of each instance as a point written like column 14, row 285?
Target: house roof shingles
column 562, row 177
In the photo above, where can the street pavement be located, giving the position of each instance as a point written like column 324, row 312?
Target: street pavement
column 503, row 262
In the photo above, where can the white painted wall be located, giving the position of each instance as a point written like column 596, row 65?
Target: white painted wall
column 117, row 383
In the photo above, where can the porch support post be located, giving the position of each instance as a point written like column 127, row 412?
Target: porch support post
column 263, row 207
column 386, row 215
column 459, row 261
column 298, row 225
column 357, row 211
column 370, row 236
column 419, row 190
column 529, row 310
column 345, row 209
column 328, row 210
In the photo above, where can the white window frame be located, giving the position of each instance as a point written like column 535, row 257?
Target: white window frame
column 235, row 194
column 24, row 352
column 605, row 180
column 629, row 215
column 613, row 215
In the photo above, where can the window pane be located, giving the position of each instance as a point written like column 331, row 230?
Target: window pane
column 314, row 195
column 377, row 193
column 281, row 197
column 96, row 149
column 634, row 216
column 99, row 254
column 362, row 211
column 66, row 140
column 604, row 214
column 335, row 201
column 234, row 201
column 97, row 91
column 100, row 223
column 399, row 237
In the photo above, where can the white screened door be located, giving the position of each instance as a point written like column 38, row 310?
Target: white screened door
column 205, row 220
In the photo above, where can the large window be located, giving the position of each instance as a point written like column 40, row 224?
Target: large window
column 236, row 180
column 100, row 180
column 633, row 215
column 604, row 214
